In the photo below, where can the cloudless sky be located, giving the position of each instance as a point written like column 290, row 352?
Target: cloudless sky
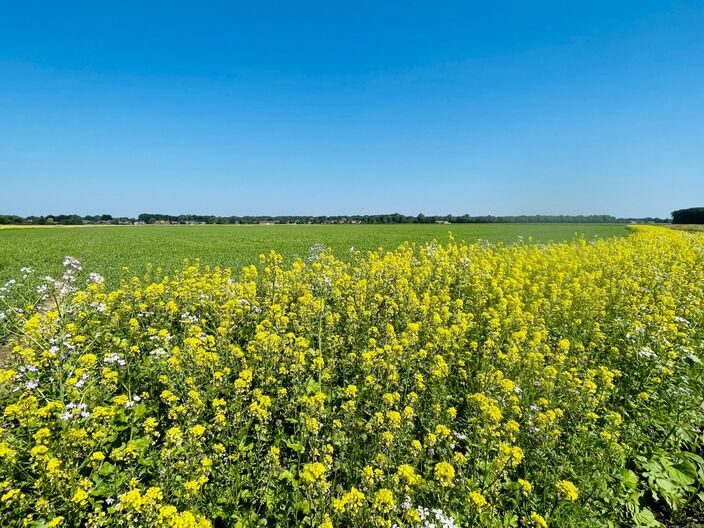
column 343, row 107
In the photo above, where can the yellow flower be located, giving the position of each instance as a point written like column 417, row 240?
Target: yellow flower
column 10, row 495
column 42, row 435
column 353, row 499
column 197, row 430
column 312, row 473
column 153, row 494
column 88, row 360
column 512, row 426
column 52, row 467
column 80, row 497
column 150, row 424
column 384, row 500
column 6, row 451
column 193, row 486
column 408, row 475
column 526, row 487
column 132, row 499
column 567, row 489
column 167, row 511
column 477, row 499
column 444, row 473
column 442, row 431
column 643, row 396
column 412, row 516
column 538, row 520
column 39, row 450
column 244, row 380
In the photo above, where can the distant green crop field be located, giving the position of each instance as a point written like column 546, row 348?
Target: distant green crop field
column 107, row 249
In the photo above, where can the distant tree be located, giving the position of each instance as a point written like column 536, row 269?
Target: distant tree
column 693, row 215
column 72, row 220
column 11, row 219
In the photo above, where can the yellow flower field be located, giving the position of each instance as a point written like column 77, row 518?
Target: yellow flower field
column 441, row 385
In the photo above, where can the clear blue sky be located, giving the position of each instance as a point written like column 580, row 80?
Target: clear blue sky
column 313, row 107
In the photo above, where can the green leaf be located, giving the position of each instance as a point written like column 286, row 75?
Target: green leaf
column 106, row 469
column 694, row 359
column 146, row 461
column 665, row 485
column 286, row 475
column 694, row 457
column 645, row 519
column 245, row 494
column 139, row 410
column 312, row 386
column 141, row 443
column 295, row 446
column 684, row 474
column 630, row 480
column 510, row 520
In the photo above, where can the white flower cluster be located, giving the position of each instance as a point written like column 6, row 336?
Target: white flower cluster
column 135, row 399
column 8, row 286
column 25, row 378
column 158, row 352
column 647, row 352
column 315, row 251
column 73, row 410
column 95, row 277
column 435, row 518
column 114, row 358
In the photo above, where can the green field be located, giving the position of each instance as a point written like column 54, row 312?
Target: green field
column 107, row 249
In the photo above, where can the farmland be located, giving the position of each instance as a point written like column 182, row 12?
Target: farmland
column 443, row 384
column 106, row 250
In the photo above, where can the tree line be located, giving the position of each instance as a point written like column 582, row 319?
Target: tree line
column 395, row 218
column 693, row 215
column 62, row 219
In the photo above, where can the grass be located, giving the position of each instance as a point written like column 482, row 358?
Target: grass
column 695, row 228
column 107, row 249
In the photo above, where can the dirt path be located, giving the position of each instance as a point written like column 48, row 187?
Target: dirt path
column 4, row 353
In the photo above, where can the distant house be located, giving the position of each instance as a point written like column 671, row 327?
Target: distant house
column 266, row 222
column 441, row 222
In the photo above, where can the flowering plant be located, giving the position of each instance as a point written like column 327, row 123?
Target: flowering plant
column 445, row 385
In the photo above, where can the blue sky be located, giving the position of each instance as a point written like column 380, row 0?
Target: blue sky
column 313, row 107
